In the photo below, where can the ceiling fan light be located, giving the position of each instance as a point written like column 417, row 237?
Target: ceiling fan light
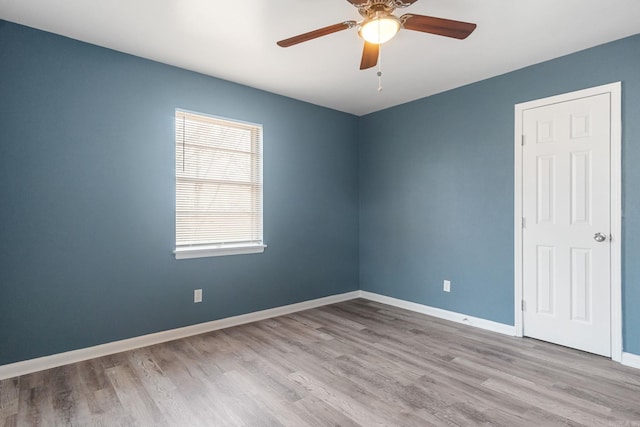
column 379, row 29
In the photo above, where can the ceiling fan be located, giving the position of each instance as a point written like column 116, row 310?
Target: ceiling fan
column 380, row 25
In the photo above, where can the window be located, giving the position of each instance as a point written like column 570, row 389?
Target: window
column 218, row 186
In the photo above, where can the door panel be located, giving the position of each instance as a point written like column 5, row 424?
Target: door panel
column 546, row 280
column 581, row 285
column 580, row 187
column 546, row 189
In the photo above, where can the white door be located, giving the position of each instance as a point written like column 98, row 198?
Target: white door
column 566, row 249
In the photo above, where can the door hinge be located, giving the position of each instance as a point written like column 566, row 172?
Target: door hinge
column 524, row 222
column 524, row 305
column 522, row 140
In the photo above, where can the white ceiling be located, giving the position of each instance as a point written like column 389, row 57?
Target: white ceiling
column 236, row 41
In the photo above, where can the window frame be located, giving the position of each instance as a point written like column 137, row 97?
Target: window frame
column 229, row 248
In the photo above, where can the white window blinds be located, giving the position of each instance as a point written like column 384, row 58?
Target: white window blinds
column 218, row 184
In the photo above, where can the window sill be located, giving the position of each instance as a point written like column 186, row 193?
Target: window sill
column 217, row 250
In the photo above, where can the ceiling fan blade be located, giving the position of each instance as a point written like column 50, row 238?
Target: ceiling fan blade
column 369, row 55
column 316, row 33
column 439, row 26
column 404, row 3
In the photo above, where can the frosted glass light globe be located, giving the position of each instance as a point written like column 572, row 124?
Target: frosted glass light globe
column 379, row 29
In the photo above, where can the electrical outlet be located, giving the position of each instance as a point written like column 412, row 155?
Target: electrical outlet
column 447, row 286
column 197, row 295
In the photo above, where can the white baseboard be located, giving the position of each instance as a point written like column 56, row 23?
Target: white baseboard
column 442, row 314
column 630, row 359
column 47, row 362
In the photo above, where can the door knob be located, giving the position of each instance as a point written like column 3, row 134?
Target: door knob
column 599, row 237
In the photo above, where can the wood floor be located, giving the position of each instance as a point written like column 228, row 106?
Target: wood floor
column 356, row 363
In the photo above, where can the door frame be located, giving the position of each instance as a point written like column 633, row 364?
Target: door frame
column 615, row 91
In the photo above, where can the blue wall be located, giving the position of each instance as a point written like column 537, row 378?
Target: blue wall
column 87, row 194
column 87, row 198
column 436, row 187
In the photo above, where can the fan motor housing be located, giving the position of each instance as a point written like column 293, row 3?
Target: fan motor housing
column 368, row 8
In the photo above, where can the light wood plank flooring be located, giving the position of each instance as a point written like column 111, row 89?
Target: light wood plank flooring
column 356, row 363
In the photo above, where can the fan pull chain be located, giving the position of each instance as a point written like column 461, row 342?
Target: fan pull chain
column 379, row 73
